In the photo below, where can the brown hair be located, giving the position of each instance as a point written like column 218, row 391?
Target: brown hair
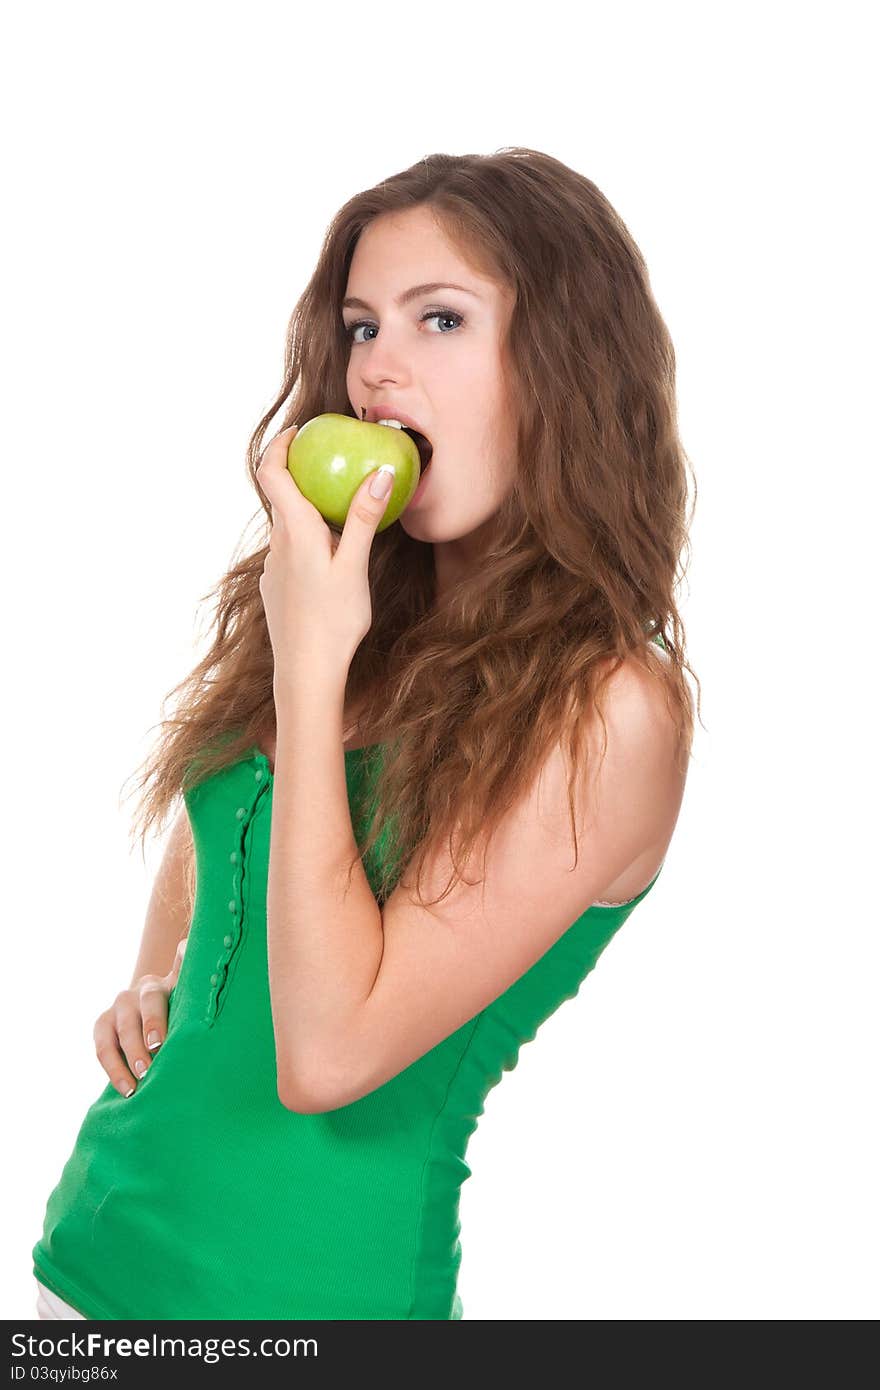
column 467, row 697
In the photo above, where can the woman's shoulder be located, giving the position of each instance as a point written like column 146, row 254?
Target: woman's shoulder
column 639, row 750
column 634, row 692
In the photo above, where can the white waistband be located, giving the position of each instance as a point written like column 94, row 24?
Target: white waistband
column 49, row 1305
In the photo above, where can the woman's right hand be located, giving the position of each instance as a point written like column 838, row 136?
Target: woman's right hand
column 135, row 1025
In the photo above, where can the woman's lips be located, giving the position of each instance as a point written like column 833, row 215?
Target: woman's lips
column 423, row 444
column 422, row 483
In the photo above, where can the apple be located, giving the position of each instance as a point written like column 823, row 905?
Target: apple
column 330, row 455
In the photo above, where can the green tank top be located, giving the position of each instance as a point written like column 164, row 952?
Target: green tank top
column 202, row 1197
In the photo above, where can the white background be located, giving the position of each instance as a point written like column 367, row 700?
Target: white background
column 694, row 1136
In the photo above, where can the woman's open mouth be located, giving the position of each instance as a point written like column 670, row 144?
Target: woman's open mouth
column 423, row 444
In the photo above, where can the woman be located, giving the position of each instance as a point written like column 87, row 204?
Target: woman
column 495, row 681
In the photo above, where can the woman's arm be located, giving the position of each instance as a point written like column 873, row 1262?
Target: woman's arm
column 358, row 994
column 324, row 940
column 169, row 913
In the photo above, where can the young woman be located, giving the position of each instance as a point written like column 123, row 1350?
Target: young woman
column 427, row 772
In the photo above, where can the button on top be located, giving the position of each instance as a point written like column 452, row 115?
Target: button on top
column 236, row 856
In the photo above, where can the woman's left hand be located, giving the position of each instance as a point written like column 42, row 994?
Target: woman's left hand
column 314, row 586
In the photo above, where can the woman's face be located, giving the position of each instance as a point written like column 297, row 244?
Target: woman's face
column 437, row 357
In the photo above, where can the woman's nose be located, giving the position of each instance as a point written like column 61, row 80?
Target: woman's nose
column 384, row 361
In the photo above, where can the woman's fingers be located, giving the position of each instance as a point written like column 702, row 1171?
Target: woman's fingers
column 134, row 1026
column 154, row 1008
column 109, row 1053
column 153, row 994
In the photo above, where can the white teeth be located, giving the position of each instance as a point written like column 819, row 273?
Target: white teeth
column 396, row 423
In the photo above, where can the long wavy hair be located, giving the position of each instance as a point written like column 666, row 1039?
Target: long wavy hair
column 464, row 698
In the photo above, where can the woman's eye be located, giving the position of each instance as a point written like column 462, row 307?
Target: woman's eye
column 431, row 314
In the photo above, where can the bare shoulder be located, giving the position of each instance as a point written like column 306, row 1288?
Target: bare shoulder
column 642, row 774
column 635, row 701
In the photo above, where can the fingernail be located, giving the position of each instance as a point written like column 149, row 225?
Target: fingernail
column 383, row 481
column 153, row 1040
column 139, row 1067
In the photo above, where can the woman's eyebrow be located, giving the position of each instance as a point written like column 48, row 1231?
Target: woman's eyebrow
column 352, row 303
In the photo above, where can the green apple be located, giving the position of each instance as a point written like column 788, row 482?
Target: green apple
column 330, row 455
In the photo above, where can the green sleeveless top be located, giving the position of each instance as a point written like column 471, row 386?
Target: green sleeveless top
column 201, row 1196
